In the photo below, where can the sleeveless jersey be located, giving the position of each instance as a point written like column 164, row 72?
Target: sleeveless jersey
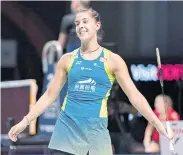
column 89, row 85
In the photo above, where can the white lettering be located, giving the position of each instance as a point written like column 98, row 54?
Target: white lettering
column 142, row 73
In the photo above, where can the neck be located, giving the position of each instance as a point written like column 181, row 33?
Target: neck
column 90, row 45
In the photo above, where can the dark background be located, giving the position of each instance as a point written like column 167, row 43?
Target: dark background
column 137, row 27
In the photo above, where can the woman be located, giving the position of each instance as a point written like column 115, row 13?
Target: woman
column 82, row 124
column 151, row 138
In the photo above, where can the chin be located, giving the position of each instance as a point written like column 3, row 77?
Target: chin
column 84, row 39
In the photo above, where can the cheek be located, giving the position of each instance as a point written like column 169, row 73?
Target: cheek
column 77, row 29
column 92, row 30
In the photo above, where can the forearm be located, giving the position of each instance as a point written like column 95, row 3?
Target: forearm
column 141, row 104
column 149, row 131
column 42, row 104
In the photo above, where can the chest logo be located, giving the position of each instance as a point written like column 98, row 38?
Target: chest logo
column 88, row 85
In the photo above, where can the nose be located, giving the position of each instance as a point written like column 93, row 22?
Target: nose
column 81, row 26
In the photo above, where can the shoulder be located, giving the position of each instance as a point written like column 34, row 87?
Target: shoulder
column 111, row 55
column 115, row 61
column 174, row 115
column 116, row 57
column 62, row 63
column 67, row 59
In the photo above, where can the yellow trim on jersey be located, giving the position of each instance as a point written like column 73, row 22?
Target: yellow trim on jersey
column 72, row 60
column 68, row 70
column 106, row 66
column 64, row 103
column 103, row 109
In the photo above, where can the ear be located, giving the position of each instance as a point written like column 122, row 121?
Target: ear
column 98, row 25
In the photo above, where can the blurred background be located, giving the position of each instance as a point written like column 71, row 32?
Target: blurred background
column 132, row 29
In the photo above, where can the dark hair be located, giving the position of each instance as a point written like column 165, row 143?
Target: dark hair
column 96, row 16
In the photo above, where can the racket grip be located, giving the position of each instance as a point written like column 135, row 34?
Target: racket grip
column 171, row 146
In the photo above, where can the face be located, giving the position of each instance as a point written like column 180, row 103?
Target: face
column 159, row 104
column 75, row 5
column 86, row 26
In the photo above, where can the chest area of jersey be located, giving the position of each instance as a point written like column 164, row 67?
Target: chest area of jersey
column 87, row 75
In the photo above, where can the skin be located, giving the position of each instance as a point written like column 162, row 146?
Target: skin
column 86, row 29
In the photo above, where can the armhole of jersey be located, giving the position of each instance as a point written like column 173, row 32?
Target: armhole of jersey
column 106, row 66
column 71, row 60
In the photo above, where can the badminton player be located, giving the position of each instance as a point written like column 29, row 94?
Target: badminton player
column 81, row 126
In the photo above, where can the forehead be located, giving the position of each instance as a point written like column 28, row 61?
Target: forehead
column 83, row 15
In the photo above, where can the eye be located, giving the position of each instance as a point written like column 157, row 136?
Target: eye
column 76, row 23
column 85, row 21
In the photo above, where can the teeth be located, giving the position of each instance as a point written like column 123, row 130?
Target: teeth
column 83, row 31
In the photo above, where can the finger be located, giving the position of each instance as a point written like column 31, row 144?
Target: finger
column 13, row 134
column 10, row 133
column 15, row 138
column 14, row 131
column 172, row 140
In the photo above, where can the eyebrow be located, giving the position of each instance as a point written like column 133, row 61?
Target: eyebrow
column 76, row 21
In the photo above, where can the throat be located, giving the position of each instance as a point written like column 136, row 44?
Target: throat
column 91, row 55
column 90, row 51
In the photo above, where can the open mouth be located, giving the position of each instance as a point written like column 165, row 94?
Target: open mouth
column 83, row 31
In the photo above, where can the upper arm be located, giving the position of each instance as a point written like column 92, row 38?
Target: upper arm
column 120, row 70
column 64, row 30
column 62, row 39
column 60, row 76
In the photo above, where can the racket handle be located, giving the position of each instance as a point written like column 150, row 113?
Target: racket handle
column 171, row 146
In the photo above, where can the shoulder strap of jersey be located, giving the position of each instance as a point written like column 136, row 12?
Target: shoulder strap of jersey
column 73, row 54
column 106, row 65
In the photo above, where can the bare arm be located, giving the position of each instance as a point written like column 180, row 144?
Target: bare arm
column 121, row 73
column 62, row 39
column 63, row 35
column 149, row 131
column 53, row 90
column 46, row 99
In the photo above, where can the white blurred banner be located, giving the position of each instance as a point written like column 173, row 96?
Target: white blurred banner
column 177, row 127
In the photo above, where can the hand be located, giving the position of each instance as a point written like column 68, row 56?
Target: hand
column 17, row 129
column 167, row 131
column 147, row 141
column 169, row 134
